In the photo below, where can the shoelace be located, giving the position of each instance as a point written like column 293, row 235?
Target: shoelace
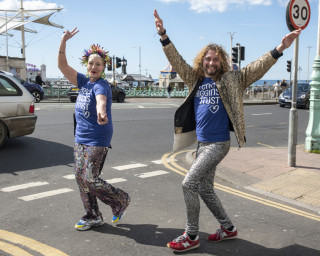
column 180, row 238
column 220, row 233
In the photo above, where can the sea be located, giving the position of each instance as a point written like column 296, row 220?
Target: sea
column 272, row 82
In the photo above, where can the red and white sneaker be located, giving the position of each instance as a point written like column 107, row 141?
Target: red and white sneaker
column 223, row 234
column 184, row 243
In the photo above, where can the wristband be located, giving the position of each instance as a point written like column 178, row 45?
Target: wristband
column 163, row 33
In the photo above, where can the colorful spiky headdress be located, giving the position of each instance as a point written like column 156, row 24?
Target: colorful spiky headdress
column 95, row 49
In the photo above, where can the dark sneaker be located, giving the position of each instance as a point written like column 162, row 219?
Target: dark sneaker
column 223, row 234
column 85, row 224
column 116, row 218
column 184, row 243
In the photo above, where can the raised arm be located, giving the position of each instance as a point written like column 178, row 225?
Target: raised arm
column 66, row 70
column 184, row 70
column 287, row 40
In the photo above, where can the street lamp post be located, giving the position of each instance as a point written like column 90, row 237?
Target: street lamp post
column 310, row 46
column 231, row 38
column 312, row 143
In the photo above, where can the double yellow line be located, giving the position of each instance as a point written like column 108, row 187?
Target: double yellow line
column 168, row 160
column 14, row 239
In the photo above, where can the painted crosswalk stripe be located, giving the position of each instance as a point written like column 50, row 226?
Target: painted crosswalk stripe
column 70, row 177
column 151, row 174
column 24, row 186
column 45, row 194
column 129, row 166
column 115, row 180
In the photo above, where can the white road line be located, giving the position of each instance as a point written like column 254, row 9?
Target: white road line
column 45, row 194
column 141, row 107
column 115, row 180
column 262, row 114
column 70, row 177
column 151, row 174
column 24, row 186
column 129, row 166
column 157, row 161
column 160, row 161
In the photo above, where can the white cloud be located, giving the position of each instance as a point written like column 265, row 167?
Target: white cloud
column 200, row 6
column 28, row 5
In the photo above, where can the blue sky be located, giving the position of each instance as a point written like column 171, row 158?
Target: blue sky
column 123, row 26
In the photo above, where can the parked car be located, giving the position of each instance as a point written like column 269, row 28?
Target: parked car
column 118, row 93
column 35, row 89
column 303, row 96
column 17, row 116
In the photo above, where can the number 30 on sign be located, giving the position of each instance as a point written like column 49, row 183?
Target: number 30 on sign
column 298, row 14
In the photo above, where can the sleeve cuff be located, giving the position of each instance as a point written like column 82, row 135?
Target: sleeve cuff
column 275, row 54
column 165, row 41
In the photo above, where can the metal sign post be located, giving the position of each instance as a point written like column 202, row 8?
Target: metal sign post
column 293, row 116
column 297, row 17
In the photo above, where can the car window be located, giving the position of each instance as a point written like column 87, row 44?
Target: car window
column 303, row 87
column 8, row 88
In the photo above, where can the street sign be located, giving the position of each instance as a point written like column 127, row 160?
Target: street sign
column 298, row 14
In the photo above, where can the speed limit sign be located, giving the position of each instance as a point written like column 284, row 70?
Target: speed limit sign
column 298, row 14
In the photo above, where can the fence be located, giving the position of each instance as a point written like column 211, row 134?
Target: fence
column 62, row 92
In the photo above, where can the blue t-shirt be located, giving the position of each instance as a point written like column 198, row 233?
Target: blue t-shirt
column 88, row 131
column 212, row 120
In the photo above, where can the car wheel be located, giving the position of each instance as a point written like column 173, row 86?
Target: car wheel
column 37, row 96
column 121, row 97
column 3, row 133
column 281, row 105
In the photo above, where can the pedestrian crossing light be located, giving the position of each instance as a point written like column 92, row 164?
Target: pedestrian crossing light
column 289, row 65
column 235, row 54
column 118, row 62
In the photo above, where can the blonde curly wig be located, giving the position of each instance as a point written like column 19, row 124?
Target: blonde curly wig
column 223, row 56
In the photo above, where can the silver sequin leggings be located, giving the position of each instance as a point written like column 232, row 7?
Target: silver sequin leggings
column 88, row 163
column 199, row 181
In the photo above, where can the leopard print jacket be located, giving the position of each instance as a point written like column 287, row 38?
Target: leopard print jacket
column 231, row 87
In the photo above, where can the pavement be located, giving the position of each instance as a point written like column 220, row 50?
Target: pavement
column 262, row 169
column 265, row 170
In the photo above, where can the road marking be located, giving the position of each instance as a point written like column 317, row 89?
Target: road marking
column 69, row 177
column 265, row 145
column 13, row 250
column 129, row 166
column 29, row 243
column 115, row 180
column 24, row 186
column 160, row 161
column 151, row 174
column 45, row 194
column 240, row 193
column 262, row 114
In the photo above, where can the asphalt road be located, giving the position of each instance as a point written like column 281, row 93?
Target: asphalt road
column 138, row 164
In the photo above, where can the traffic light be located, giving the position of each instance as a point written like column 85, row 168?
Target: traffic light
column 109, row 66
column 118, row 62
column 289, row 65
column 235, row 54
column 242, row 52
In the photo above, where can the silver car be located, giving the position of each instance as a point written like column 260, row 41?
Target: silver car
column 17, row 116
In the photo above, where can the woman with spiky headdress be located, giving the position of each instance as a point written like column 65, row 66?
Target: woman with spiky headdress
column 93, row 133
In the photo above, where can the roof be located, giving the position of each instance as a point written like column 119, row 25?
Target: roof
column 128, row 77
column 177, row 79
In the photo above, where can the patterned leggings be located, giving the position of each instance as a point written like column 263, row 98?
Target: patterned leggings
column 88, row 163
column 199, row 181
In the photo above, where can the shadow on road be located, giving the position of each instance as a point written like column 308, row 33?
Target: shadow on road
column 30, row 153
column 149, row 234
